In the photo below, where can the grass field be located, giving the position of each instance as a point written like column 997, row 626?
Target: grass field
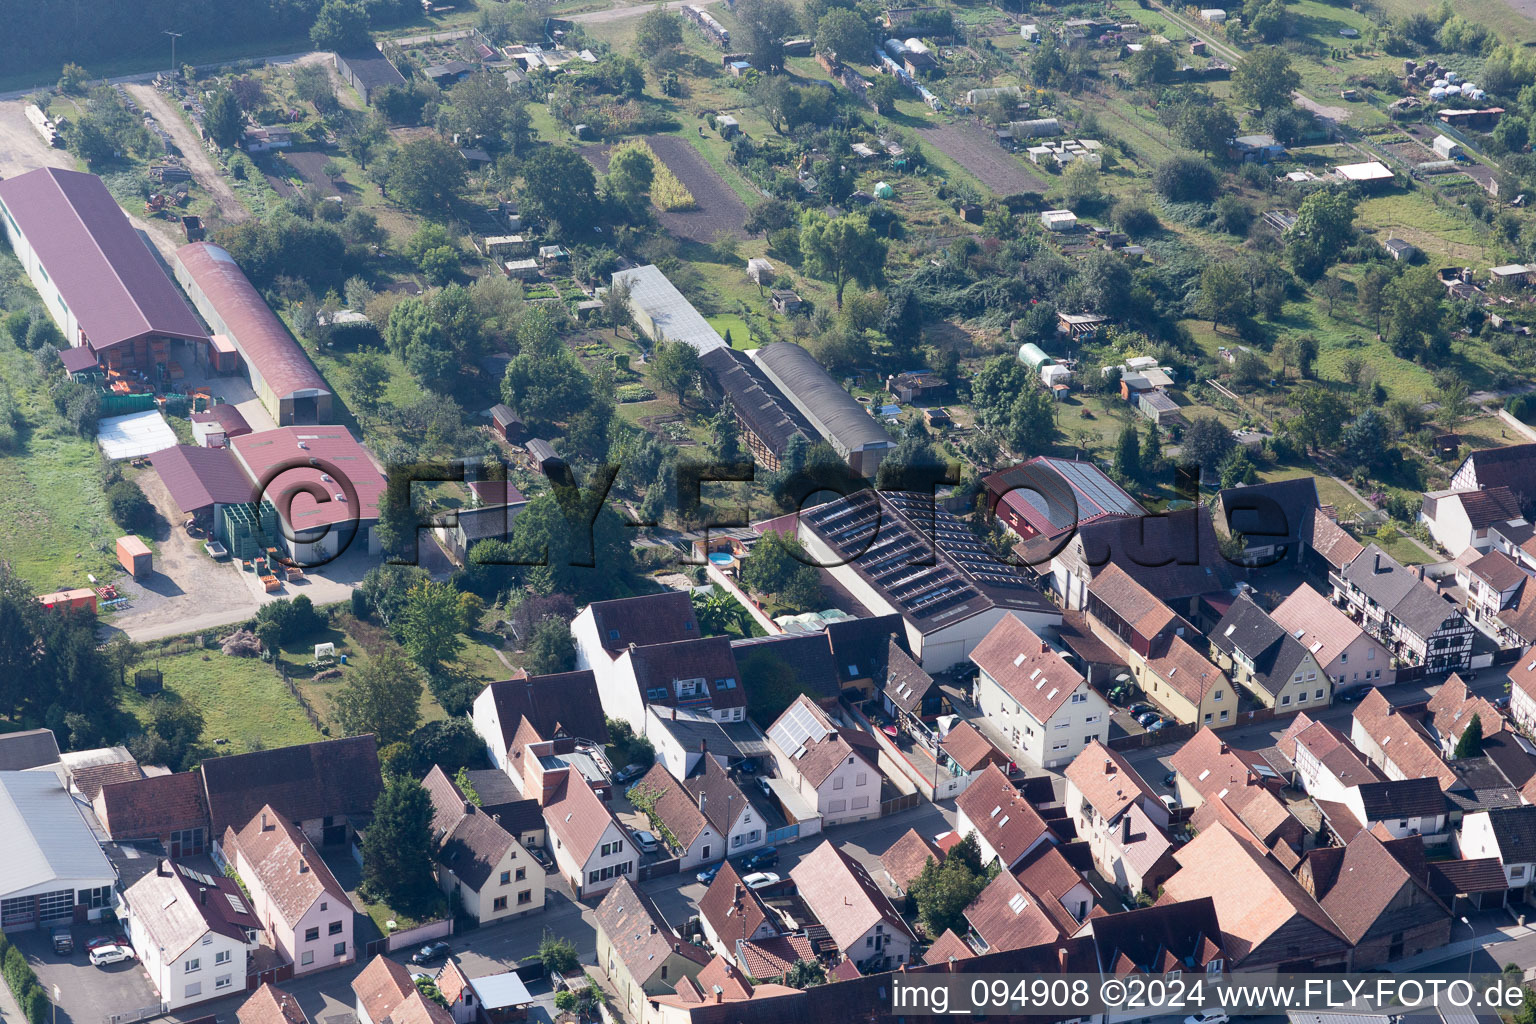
column 741, row 334
column 242, row 700
column 1437, row 230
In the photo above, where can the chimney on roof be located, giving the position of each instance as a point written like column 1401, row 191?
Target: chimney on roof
column 1061, row 958
column 719, row 994
column 1225, row 749
column 653, row 929
column 163, row 868
column 1044, row 647
column 202, row 895
column 1109, row 766
column 1125, row 829
column 703, row 745
column 1378, row 562
column 264, row 826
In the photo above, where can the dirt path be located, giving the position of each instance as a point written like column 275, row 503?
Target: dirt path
column 623, row 11
column 21, row 148
column 993, row 166
column 198, row 161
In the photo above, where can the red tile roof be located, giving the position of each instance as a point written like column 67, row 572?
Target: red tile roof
column 771, row 958
column 1142, row 610
column 1107, row 780
column 1008, row 917
column 270, row 1005
column 648, row 619
column 249, row 322
column 673, row 804
column 330, row 778
column 114, row 285
column 1522, row 675
column 1324, row 630
column 1186, row 671
column 907, row 856
column 1026, row 667
column 947, row 947
column 843, row 896
column 1454, row 704
column 577, row 816
column 1045, row 873
column 386, row 993
column 1498, row 571
column 294, row 462
column 152, row 807
column 1402, row 740
column 639, row 934
column 734, row 911
column 970, row 749
column 89, row 779
column 1332, row 541
column 283, row 864
column 1002, row 817
column 1211, row 765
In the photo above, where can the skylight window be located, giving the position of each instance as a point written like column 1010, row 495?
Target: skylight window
column 1017, row 903
column 1202, row 775
column 1019, row 660
column 995, row 810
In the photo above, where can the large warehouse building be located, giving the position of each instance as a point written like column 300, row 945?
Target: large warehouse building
column 304, row 472
column 280, row 372
column 855, row 435
column 661, row 311
column 98, row 279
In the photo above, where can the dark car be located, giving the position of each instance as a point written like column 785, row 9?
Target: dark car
column 708, row 874
column 1139, row 708
column 629, row 773
column 539, row 855
column 1170, row 779
column 430, row 952
column 1353, row 696
column 1146, row 718
column 767, row 857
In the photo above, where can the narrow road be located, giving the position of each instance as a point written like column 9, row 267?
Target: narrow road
column 198, row 161
column 634, row 11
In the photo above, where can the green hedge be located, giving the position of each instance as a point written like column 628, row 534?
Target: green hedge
column 1522, row 407
column 23, row 982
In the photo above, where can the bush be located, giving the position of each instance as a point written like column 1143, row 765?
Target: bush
column 1522, row 407
column 130, row 509
column 1185, row 179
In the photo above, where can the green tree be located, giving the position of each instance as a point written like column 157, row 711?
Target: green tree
column 765, row 24
column 222, row 120
column 941, row 892
column 1128, row 454
column 1324, row 225
column 367, row 377
column 341, row 25
column 1153, row 64
column 1454, row 402
column 1224, row 294
column 171, row 735
column 1151, row 452
column 844, row 34
column 804, row 974
column 883, row 92
column 430, row 623
column 551, row 648
column 1470, row 744
column 1414, row 315
column 1369, row 293
column 1186, row 179
column 129, row 507
column 1320, row 417
column 774, row 566
column 484, row 109
column 1265, row 78
column 74, row 80
column 439, row 265
column 559, row 186
column 426, row 174
column 397, row 847
column 544, row 382
column 658, row 33
column 842, row 249
column 1367, row 440
column 675, row 367
column 380, row 695
column 725, row 433
column 1206, row 442
column 1205, row 126
column 631, row 172
column 558, row 953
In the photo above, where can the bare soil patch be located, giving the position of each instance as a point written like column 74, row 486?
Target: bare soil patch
column 719, row 209
column 993, row 166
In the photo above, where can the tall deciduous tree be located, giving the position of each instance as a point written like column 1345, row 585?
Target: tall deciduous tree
column 765, row 25
column 397, row 847
column 430, row 624
column 551, row 648
column 1206, row 442
column 427, row 174
column 1265, row 78
column 943, row 891
column 222, row 120
column 559, row 186
column 381, row 695
column 842, row 249
column 844, row 34
column 340, row 25
column 658, row 33
column 675, row 367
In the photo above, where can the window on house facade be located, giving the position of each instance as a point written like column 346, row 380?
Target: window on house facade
column 1223, row 716
column 1207, row 718
column 1079, row 698
column 223, row 981
column 307, row 958
column 194, row 965
column 1285, row 701
column 521, row 874
column 524, row 897
column 860, row 803
column 334, row 928
column 194, row 989
column 96, row 898
column 1318, row 695
column 506, row 877
column 1217, row 695
column 863, row 779
column 221, row 957
column 311, row 934
column 499, row 903
column 340, row 949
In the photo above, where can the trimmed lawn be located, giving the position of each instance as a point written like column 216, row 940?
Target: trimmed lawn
column 242, row 700
column 741, row 334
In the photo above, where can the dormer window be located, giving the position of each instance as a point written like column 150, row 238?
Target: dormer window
column 613, row 634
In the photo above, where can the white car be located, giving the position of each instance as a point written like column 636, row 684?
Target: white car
column 758, row 879
column 110, row 954
column 647, row 842
column 1210, row 1016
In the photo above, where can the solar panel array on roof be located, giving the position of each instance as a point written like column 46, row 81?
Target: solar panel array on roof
column 795, row 728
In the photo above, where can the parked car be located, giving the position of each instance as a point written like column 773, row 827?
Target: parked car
column 1146, row 718
column 1139, row 708
column 1171, row 779
column 63, row 942
column 430, row 952
column 758, row 879
column 1169, row 802
column 1353, row 696
column 1155, row 725
column 629, row 773
column 538, row 854
column 708, row 874
column 107, row 940
column 762, row 783
column 1208, row 1016
column 1501, row 702
column 101, row 956
column 767, row 857
column 647, row 841
column 748, row 766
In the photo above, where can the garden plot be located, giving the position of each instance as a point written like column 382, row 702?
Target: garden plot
column 993, row 166
column 718, row 208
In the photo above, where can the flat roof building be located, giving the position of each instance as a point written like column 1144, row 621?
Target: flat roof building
column 280, row 372
column 852, row 432
column 662, row 312
column 97, row 278
column 1368, row 172
column 49, row 856
column 323, row 484
column 367, row 71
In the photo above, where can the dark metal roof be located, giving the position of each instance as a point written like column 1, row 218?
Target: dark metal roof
column 104, row 271
column 371, row 69
column 756, row 399
column 1248, row 628
column 199, row 478
column 823, row 401
column 76, row 360
column 232, row 303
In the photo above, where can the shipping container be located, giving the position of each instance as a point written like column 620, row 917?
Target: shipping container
column 134, row 556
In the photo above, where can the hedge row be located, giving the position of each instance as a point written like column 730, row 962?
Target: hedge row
column 23, row 982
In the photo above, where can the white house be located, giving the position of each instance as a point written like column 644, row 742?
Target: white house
column 677, row 819
column 682, row 739
column 303, row 909
column 856, row 912
column 1522, row 691
column 1006, row 825
column 727, row 808
column 834, row 769
column 1041, row 703
column 494, row 877
column 1459, row 519
column 562, row 705
column 590, row 847
column 1348, row 655
column 1123, row 820
column 191, row 931
column 1508, row 833
column 606, row 629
